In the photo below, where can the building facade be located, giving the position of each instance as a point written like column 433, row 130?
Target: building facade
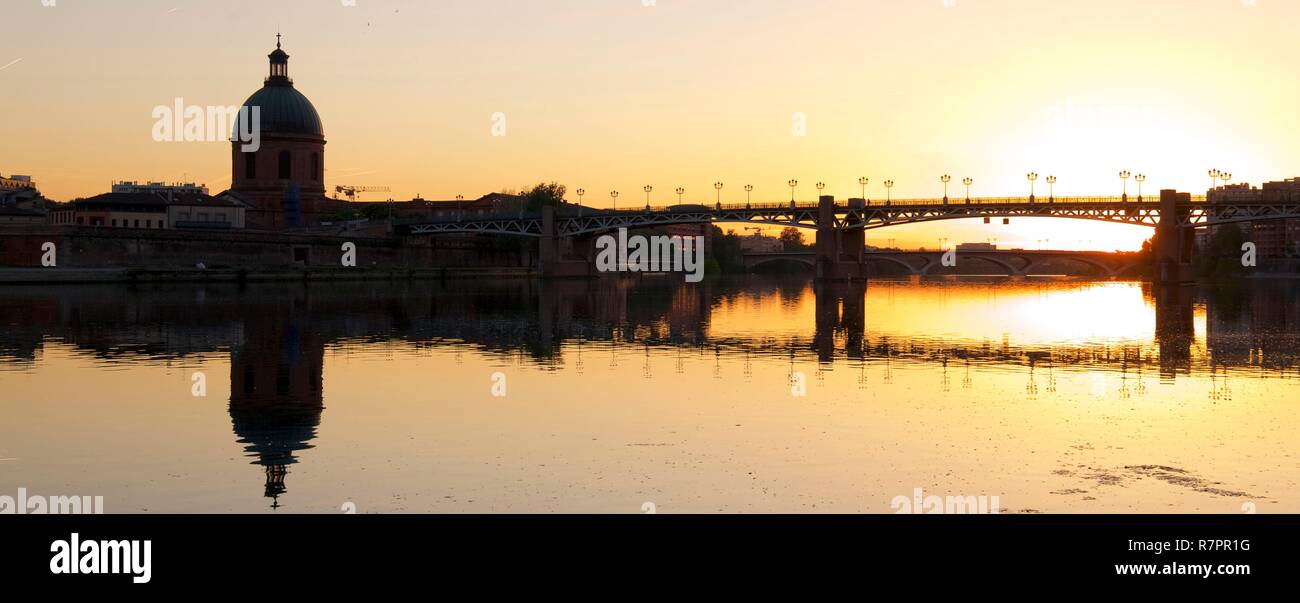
column 1273, row 239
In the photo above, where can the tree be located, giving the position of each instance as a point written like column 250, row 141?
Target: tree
column 544, row 195
column 1222, row 255
column 792, row 239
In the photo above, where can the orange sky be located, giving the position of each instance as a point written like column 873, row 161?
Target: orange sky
column 613, row 94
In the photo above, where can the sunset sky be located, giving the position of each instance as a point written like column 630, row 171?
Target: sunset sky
column 614, row 94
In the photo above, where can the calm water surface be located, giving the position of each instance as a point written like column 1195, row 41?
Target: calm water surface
column 516, row 396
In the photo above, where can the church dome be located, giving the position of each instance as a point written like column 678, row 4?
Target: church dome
column 283, row 109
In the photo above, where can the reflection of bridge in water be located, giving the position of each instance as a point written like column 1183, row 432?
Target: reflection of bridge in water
column 1012, row 262
column 277, row 336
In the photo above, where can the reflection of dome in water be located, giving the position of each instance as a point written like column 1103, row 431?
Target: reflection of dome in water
column 272, row 435
column 275, row 395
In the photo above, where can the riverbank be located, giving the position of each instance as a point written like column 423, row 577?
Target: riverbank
column 55, row 276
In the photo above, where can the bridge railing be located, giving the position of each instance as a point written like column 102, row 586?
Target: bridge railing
column 569, row 212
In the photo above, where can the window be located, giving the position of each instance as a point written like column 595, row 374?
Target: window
column 114, row 222
column 286, row 166
column 203, row 216
column 315, row 167
column 250, row 165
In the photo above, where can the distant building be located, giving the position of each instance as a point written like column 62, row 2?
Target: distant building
column 160, row 188
column 153, row 211
column 16, row 182
column 19, row 215
column 760, row 243
column 1272, row 238
column 976, row 247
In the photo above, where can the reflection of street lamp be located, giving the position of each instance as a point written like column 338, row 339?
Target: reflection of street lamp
column 680, row 191
column 863, row 181
column 614, row 195
column 1051, row 189
column 968, row 182
column 1032, row 176
column 1124, row 176
column 647, row 190
column 749, row 188
column 1140, row 179
column 792, row 184
column 945, row 179
column 718, row 187
column 889, row 197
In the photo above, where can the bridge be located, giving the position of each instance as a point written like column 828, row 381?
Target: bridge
column 841, row 226
column 1013, row 262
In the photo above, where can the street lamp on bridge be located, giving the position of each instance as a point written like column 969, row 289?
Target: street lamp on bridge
column 1032, row 176
column 680, row 191
column 945, row 179
column 1051, row 189
column 1214, row 179
column 1225, row 177
column 580, row 192
column 792, row 184
column 614, row 195
column 749, row 188
column 863, row 181
column 647, row 190
column 889, row 198
column 821, row 186
column 718, row 186
column 1124, row 176
column 1140, row 178
column 968, row 181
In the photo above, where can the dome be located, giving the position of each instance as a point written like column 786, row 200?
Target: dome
column 284, row 110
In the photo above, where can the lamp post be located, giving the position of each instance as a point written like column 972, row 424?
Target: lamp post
column 863, row 181
column 1051, row 189
column 718, row 187
column 889, row 197
column 580, row 192
column 968, row 182
column 1225, row 177
column 1140, row 178
column 460, row 207
column 945, row 179
column 1214, row 179
column 1124, row 176
column 614, row 195
column 647, row 190
column 749, row 188
column 792, row 184
column 820, row 187
column 1032, row 176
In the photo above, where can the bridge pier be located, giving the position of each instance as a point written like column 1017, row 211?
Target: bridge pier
column 1174, row 244
column 551, row 260
column 839, row 252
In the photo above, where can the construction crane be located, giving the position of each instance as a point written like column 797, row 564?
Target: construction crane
column 351, row 192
